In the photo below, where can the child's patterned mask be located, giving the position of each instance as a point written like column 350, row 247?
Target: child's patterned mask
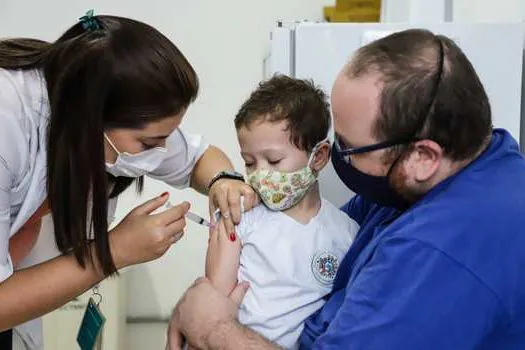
column 281, row 190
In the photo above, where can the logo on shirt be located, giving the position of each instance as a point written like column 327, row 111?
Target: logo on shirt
column 324, row 267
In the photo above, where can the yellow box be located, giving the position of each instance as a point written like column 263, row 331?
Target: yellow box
column 349, row 5
column 360, row 15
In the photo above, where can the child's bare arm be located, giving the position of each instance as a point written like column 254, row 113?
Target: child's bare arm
column 222, row 258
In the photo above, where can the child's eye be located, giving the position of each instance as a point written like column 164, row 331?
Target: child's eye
column 146, row 146
column 247, row 165
column 274, row 162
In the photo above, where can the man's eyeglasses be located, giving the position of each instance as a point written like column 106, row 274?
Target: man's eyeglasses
column 344, row 151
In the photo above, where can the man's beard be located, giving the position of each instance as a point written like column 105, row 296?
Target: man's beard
column 398, row 181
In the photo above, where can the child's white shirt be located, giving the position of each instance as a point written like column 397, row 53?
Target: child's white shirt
column 290, row 266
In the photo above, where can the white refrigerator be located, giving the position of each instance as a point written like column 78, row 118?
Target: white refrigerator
column 318, row 51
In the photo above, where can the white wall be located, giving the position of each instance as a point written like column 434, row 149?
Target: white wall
column 226, row 42
column 489, row 10
column 463, row 10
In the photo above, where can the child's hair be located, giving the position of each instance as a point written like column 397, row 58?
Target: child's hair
column 301, row 103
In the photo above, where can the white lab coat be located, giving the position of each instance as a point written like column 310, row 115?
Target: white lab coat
column 24, row 116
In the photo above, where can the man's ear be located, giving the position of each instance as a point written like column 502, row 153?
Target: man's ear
column 321, row 157
column 425, row 160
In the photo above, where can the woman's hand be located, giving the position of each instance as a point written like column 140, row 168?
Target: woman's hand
column 225, row 194
column 222, row 258
column 142, row 237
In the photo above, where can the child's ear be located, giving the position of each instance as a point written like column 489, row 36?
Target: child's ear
column 321, row 157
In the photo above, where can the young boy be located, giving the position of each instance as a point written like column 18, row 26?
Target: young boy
column 291, row 246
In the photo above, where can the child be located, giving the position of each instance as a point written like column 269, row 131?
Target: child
column 290, row 248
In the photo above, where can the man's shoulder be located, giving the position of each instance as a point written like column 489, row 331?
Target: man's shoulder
column 367, row 213
column 482, row 236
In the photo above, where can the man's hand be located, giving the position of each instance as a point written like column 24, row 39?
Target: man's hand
column 201, row 311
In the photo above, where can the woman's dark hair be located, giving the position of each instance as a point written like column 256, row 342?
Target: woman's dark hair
column 124, row 74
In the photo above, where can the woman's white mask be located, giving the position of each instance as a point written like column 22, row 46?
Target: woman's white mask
column 135, row 165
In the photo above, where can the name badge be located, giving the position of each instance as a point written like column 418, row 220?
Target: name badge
column 90, row 332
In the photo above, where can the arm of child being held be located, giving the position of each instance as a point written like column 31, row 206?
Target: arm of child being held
column 222, row 258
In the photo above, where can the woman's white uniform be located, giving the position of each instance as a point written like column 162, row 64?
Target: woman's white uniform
column 24, row 117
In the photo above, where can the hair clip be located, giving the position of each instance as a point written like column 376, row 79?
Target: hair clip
column 89, row 22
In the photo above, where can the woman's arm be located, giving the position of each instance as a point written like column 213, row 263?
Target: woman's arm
column 225, row 193
column 32, row 292
column 37, row 290
column 22, row 242
column 210, row 164
column 140, row 237
column 190, row 162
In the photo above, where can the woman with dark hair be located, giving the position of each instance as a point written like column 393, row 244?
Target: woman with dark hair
column 81, row 119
